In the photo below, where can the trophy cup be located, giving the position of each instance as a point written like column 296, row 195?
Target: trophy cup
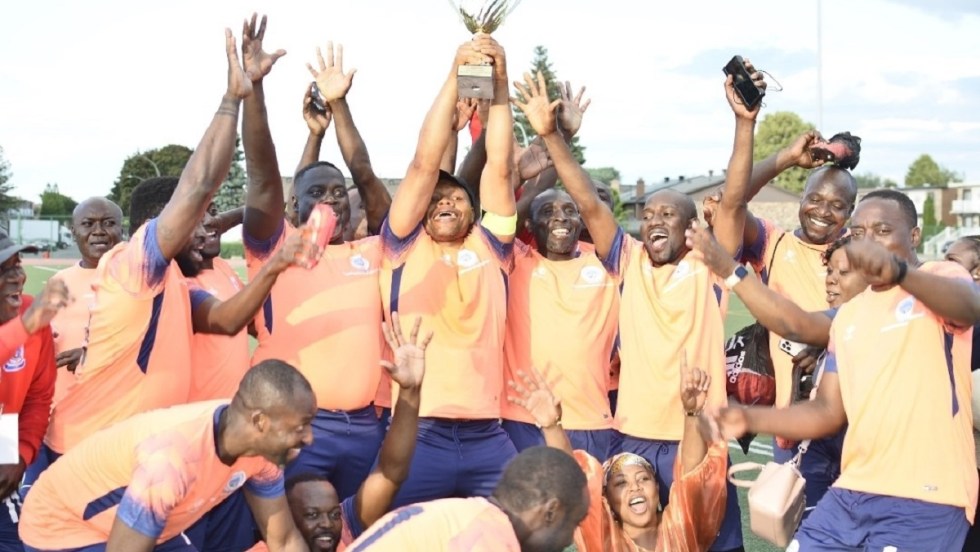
column 476, row 81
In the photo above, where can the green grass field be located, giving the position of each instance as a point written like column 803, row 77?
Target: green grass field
column 738, row 317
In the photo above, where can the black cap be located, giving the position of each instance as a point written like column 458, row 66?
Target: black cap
column 8, row 248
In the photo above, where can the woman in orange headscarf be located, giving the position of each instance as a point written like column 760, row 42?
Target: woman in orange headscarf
column 624, row 513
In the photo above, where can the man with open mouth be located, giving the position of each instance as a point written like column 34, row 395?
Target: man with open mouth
column 27, row 376
column 669, row 311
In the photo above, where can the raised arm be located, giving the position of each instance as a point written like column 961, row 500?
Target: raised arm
column 534, row 187
column 213, row 316
column 229, row 219
column 955, row 300
column 334, row 84
column 263, row 198
column 274, row 519
column 777, row 313
column 729, row 218
column 465, row 108
column 796, row 154
column 541, row 114
column 415, row 191
column 208, row 166
column 476, row 158
column 379, row 489
column 496, row 188
column 532, row 393
column 821, row 417
column 694, row 392
column 318, row 122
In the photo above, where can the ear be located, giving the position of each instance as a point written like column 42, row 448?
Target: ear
column 552, row 511
column 259, row 420
column 916, row 237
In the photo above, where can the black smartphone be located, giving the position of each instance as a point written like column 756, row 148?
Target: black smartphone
column 747, row 90
column 318, row 103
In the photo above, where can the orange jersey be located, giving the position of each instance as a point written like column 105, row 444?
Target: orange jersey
column 665, row 313
column 905, row 381
column 137, row 353
column 461, row 295
column 326, row 321
column 69, row 324
column 157, row 472
column 218, row 361
column 447, row 525
column 689, row 523
column 795, row 270
column 562, row 318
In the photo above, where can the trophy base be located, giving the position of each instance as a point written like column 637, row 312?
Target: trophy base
column 475, row 81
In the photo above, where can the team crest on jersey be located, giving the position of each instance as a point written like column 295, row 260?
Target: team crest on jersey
column 16, row 362
column 905, row 309
column 682, row 271
column 466, row 258
column 236, row 480
column 592, row 275
column 358, row 262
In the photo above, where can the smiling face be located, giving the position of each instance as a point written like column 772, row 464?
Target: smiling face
column 96, row 227
column 883, row 221
column 449, row 217
column 827, row 202
column 287, row 429
column 966, row 252
column 316, row 511
column 12, row 278
column 191, row 257
column 212, row 239
column 633, row 496
column 555, row 224
column 842, row 283
column 323, row 184
column 666, row 216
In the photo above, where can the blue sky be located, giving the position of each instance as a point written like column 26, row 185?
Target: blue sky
column 83, row 85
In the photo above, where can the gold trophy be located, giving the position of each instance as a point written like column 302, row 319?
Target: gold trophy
column 476, row 81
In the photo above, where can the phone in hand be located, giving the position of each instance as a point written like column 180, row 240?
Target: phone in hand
column 318, row 104
column 750, row 94
column 791, row 348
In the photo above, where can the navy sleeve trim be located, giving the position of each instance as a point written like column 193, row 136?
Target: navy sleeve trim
column 198, row 296
column 395, row 245
column 612, row 260
column 263, row 248
column 155, row 267
column 504, row 251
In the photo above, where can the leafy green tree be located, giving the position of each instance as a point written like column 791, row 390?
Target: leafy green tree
column 776, row 131
column 56, row 204
column 231, row 194
column 924, row 171
column 522, row 128
column 871, row 180
column 7, row 201
column 929, row 211
column 166, row 161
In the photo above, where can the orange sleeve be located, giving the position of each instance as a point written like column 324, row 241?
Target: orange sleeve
column 693, row 517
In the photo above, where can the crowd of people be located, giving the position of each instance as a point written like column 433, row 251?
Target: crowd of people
column 486, row 360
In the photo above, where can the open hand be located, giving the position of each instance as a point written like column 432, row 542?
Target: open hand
column 735, row 101
column 52, row 299
column 317, row 121
column 238, row 85
column 258, row 63
column 533, row 101
column 331, row 80
column 572, row 109
column 531, row 392
column 409, row 366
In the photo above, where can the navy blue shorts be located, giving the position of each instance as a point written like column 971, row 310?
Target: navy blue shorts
column 850, row 520
column 596, row 441
column 455, row 459
column 344, row 447
column 661, row 455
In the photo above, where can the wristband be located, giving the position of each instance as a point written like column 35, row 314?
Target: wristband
column 736, row 276
column 692, row 413
column 557, row 423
